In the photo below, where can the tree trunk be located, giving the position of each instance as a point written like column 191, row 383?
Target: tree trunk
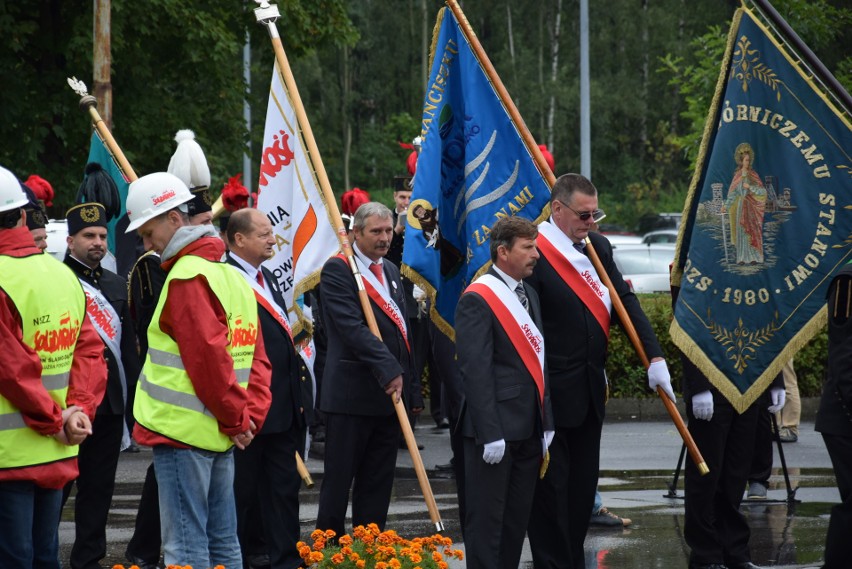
column 345, row 122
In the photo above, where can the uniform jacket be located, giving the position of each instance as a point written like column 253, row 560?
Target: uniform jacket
column 575, row 344
column 359, row 365
column 501, row 400
column 114, row 289
column 835, row 409
column 290, row 384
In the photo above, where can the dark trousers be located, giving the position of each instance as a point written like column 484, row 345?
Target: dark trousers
column 564, row 498
column 146, row 541
column 714, row 528
column 29, row 526
column 499, row 504
column 360, row 453
column 761, row 462
column 838, row 539
column 266, row 483
column 98, row 460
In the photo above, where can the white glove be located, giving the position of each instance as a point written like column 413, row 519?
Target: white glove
column 493, row 452
column 658, row 375
column 545, row 442
column 702, row 405
column 779, row 397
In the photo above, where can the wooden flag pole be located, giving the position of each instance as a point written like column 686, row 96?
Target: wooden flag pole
column 502, row 93
column 267, row 15
column 90, row 104
column 534, row 150
column 627, row 323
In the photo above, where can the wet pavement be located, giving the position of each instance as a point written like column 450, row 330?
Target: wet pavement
column 638, row 461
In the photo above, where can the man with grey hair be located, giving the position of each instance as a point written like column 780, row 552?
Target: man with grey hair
column 362, row 377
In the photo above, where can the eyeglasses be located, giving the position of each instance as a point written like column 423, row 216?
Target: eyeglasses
column 596, row 215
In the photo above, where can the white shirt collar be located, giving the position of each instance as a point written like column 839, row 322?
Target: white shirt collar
column 364, row 258
column 246, row 266
column 512, row 283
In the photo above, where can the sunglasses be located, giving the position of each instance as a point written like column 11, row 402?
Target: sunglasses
column 596, row 215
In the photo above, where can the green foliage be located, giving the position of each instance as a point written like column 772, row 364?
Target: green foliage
column 627, row 377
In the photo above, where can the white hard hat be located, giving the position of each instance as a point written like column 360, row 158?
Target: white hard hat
column 12, row 196
column 151, row 195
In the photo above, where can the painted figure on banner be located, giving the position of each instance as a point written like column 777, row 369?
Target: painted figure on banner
column 746, row 203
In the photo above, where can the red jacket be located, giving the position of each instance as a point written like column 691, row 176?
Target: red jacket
column 200, row 328
column 20, row 374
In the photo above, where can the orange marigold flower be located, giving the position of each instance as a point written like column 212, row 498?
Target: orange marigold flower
column 337, row 558
column 354, row 556
column 316, row 557
column 345, row 540
column 317, row 534
column 373, row 528
column 442, row 565
column 304, row 551
column 360, row 564
column 394, row 563
column 437, row 556
column 415, row 558
column 381, row 565
column 346, row 550
column 330, row 533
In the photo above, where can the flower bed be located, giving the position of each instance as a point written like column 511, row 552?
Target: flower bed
column 368, row 548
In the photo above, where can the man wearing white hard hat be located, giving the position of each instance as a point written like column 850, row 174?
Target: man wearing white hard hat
column 145, row 284
column 204, row 387
column 52, row 378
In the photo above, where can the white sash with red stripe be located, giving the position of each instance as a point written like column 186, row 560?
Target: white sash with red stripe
column 516, row 322
column 379, row 294
column 577, row 271
column 107, row 322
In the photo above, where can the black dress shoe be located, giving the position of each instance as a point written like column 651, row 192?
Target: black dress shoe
column 445, row 467
column 743, row 565
column 708, row 566
column 404, row 446
column 141, row 563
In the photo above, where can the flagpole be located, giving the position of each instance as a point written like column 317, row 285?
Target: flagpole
column 502, row 93
column 90, row 104
column 802, row 50
column 267, row 15
column 627, row 324
column 532, row 147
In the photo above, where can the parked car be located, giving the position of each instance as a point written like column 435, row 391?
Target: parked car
column 623, row 240
column 645, row 268
column 660, row 236
column 57, row 231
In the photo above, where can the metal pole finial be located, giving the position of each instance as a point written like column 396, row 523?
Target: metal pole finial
column 86, row 101
column 266, row 13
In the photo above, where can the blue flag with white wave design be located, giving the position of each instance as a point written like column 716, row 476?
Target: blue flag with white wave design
column 473, row 169
column 767, row 219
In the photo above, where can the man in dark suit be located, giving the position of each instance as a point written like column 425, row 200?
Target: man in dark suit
column 362, row 374
column 834, row 419
column 108, row 310
column 505, row 418
column 266, row 481
column 577, row 308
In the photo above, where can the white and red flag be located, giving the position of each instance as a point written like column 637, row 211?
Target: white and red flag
column 289, row 195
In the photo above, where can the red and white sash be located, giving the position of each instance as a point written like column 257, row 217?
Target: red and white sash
column 516, row 322
column 379, row 294
column 265, row 299
column 577, row 271
column 107, row 322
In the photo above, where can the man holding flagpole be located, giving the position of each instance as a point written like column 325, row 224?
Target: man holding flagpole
column 505, row 418
column 572, row 291
column 361, row 376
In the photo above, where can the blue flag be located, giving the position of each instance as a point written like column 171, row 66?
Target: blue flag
column 473, row 169
column 766, row 219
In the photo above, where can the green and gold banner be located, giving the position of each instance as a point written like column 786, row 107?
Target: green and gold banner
column 767, row 220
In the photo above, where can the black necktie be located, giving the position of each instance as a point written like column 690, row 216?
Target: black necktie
column 581, row 247
column 522, row 296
